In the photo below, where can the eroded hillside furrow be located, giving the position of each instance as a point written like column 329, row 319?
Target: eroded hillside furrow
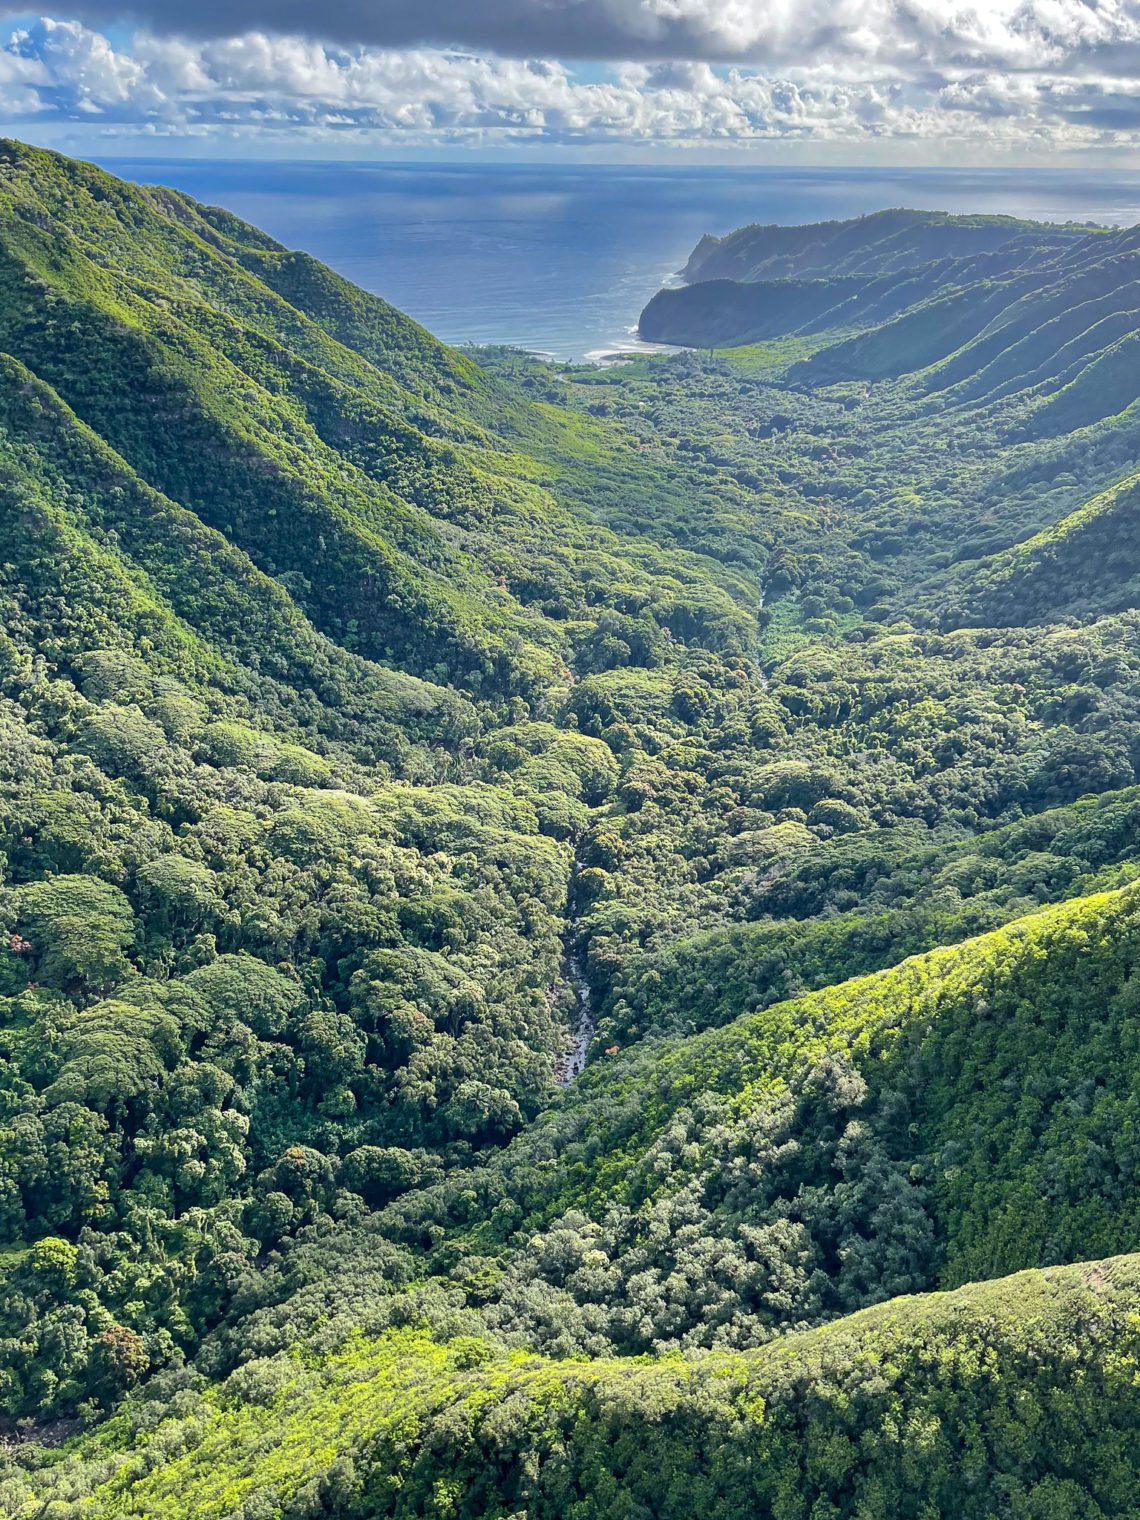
column 573, row 989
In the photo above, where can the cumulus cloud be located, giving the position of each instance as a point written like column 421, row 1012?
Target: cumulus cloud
column 992, row 85
column 1016, row 34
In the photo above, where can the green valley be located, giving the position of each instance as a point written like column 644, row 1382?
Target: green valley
column 569, row 935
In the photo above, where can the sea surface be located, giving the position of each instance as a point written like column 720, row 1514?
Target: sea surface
column 560, row 260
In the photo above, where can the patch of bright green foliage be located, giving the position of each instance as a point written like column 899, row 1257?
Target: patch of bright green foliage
column 885, row 1414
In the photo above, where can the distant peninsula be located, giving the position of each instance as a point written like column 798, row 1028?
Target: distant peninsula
column 841, row 278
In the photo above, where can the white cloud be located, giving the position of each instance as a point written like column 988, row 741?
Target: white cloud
column 933, row 34
column 1008, row 74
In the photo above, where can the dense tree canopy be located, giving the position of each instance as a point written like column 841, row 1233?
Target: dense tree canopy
column 385, row 732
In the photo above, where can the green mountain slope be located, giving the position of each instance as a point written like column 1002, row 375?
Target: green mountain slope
column 1087, row 559
column 917, row 1407
column 896, row 1132
column 974, row 308
column 363, row 477
column 540, row 906
column 883, row 242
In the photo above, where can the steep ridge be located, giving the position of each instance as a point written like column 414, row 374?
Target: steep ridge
column 866, row 903
column 1087, row 559
column 911, row 1407
column 724, row 312
column 883, row 242
column 209, row 616
column 324, row 467
column 1030, row 307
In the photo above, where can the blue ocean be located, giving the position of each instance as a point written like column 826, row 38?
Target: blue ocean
column 560, row 260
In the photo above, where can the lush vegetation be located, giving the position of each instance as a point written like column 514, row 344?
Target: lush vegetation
column 384, row 730
column 1027, row 1388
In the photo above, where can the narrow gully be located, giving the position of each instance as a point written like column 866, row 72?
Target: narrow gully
column 573, row 979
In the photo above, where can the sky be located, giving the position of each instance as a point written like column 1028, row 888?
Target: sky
column 825, row 81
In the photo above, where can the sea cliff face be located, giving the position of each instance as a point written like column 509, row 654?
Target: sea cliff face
column 726, row 313
column 762, row 282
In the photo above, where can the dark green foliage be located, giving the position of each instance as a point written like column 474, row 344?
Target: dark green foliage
column 958, row 1116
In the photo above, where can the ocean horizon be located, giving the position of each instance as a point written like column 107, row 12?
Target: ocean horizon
column 560, row 260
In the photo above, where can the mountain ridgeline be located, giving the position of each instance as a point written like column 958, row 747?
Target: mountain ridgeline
column 371, row 710
column 961, row 310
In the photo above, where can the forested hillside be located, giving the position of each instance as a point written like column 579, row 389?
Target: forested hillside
column 569, row 937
